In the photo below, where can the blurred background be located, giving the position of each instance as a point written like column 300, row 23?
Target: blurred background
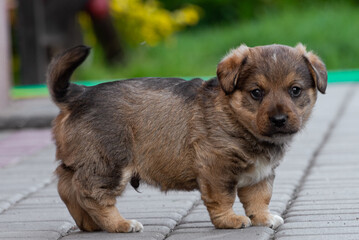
column 164, row 38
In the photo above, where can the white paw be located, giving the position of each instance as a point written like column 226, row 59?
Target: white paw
column 275, row 221
column 135, row 226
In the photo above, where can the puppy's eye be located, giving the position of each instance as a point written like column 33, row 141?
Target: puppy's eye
column 295, row 91
column 257, row 94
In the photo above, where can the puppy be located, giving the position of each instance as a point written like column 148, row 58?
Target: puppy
column 223, row 137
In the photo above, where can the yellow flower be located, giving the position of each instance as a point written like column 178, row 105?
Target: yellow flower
column 145, row 21
column 187, row 16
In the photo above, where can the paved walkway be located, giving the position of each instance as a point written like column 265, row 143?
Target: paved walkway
column 316, row 189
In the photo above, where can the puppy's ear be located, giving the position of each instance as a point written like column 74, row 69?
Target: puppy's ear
column 316, row 67
column 229, row 68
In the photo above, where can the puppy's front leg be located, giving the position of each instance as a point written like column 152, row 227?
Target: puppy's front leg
column 255, row 200
column 219, row 202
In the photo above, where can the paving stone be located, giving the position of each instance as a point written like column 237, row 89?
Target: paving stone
column 167, row 204
column 324, row 202
column 257, row 233
column 184, row 225
column 53, row 215
column 322, row 211
column 318, row 231
column 165, row 222
column 323, row 217
column 329, row 192
column 318, row 224
column 328, row 184
column 111, row 236
column 58, row 226
column 41, row 201
column 322, row 207
column 29, row 235
column 138, row 215
column 321, row 236
column 328, row 196
column 200, row 216
column 153, row 211
column 157, row 229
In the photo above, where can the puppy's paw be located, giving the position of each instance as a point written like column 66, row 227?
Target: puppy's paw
column 232, row 221
column 270, row 220
column 135, row 226
column 275, row 221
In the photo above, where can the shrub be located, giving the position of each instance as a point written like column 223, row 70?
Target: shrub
column 141, row 21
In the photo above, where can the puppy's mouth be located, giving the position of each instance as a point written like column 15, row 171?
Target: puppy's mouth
column 277, row 133
column 279, row 137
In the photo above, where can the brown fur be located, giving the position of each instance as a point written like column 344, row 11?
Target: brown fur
column 181, row 135
column 255, row 200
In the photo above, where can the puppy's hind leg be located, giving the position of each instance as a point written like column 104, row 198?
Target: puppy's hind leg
column 68, row 194
column 99, row 202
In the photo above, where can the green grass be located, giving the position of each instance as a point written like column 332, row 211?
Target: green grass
column 330, row 30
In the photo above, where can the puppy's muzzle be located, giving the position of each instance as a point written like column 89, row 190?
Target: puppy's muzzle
column 279, row 125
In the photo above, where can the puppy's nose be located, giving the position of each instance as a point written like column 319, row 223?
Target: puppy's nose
column 279, row 120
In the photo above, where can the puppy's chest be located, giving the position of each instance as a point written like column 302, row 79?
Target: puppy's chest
column 262, row 168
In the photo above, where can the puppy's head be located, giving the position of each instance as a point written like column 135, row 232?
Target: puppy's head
column 272, row 89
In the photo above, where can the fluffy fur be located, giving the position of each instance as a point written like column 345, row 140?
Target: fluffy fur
column 223, row 137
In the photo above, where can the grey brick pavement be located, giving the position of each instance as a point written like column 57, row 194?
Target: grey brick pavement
column 327, row 204
column 315, row 189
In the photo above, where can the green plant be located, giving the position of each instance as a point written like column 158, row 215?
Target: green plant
column 146, row 21
column 329, row 30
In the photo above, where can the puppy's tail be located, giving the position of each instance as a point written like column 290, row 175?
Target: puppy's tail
column 60, row 71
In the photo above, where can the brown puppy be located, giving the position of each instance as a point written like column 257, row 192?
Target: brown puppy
column 223, row 137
